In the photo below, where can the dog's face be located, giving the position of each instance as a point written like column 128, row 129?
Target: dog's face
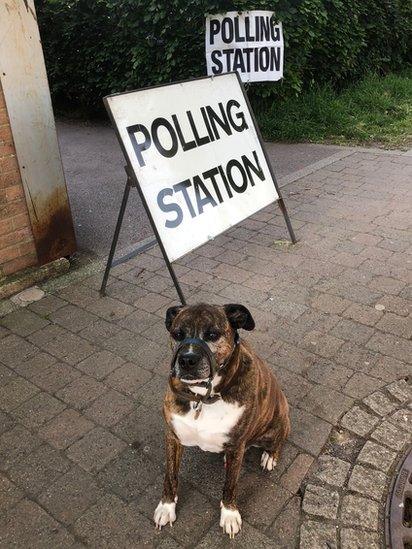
column 215, row 325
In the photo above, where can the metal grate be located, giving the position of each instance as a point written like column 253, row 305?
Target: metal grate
column 399, row 507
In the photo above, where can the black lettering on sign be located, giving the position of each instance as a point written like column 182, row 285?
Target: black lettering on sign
column 264, row 27
column 170, row 223
column 229, row 169
column 208, row 199
column 227, row 30
column 228, row 53
column 222, row 121
column 207, row 123
column 224, row 182
column 187, row 131
column 264, row 59
column 275, row 32
column 182, row 187
column 238, row 36
column 215, row 56
column 186, row 146
column 249, row 37
column 256, row 169
column 139, row 146
column 247, row 52
column 214, row 29
column 211, row 174
column 238, row 62
column 199, row 140
column 239, row 116
column 275, row 58
column 162, row 122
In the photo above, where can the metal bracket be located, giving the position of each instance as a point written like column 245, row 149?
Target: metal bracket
column 131, row 182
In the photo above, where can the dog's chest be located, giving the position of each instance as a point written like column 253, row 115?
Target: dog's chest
column 211, row 429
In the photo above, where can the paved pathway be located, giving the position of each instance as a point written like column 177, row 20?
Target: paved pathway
column 81, row 379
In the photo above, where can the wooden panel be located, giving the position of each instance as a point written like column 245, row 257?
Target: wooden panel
column 24, row 81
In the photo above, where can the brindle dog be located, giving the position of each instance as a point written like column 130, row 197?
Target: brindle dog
column 234, row 405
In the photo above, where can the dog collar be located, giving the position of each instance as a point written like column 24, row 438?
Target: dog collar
column 214, row 369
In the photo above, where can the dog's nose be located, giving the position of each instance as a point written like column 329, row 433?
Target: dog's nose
column 189, row 358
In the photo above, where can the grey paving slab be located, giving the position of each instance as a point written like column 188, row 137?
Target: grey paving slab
column 82, row 378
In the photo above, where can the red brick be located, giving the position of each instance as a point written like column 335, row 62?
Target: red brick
column 15, row 237
column 19, row 263
column 10, row 178
column 6, row 148
column 14, row 208
column 4, row 118
column 6, row 226
column 21, row 220
column 27, row 248
column 5, row 133
column 7, row 254
column 16, row 191
column 8, row 164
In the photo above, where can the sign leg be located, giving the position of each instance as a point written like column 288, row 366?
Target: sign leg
column 284, row 211
column 115, row 237
column 175, row 281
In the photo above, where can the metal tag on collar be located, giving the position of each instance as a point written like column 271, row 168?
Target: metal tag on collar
column 197, row 407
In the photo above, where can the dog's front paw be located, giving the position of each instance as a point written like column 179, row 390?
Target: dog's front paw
column 268, row 461
column 230, row 520
column 164, row 513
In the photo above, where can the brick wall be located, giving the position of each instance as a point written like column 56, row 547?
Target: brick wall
column 17, row 249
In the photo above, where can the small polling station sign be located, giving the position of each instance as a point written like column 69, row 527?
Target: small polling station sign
column 249, row 42
column 195, row 154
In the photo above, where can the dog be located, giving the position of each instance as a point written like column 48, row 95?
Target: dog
column 221, row 397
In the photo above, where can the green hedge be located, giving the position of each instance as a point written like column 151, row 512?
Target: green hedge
column 96, row 47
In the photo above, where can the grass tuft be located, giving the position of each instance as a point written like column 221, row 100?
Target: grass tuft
column 374, row 111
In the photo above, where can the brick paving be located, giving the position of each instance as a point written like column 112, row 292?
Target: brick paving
column 82, row 378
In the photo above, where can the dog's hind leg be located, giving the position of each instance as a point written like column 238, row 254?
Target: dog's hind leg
column 272, row 443
column 166, row 510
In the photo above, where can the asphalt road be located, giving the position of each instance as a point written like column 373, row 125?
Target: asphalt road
column 93, row 164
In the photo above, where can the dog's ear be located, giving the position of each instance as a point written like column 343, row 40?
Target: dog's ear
column 239, row 316
column 170, row 315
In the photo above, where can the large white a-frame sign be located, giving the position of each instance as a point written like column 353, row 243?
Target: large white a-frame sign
column 196, row 155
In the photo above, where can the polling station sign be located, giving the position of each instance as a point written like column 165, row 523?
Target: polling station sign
column 196, row 155
column 250, row 43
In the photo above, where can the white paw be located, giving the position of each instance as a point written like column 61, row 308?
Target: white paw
column 164, row 513
column 230, row 520
column 268, row 462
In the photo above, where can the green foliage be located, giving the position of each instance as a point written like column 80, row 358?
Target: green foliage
column 374, row 110
column 97, row 47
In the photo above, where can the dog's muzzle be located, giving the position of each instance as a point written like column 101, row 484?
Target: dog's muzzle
column 190, row 352
column 193, row 349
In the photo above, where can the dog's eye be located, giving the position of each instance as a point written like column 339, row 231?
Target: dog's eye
column 178, row 335
column 212, row 336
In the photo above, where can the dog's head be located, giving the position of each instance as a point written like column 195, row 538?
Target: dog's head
column 215, row 325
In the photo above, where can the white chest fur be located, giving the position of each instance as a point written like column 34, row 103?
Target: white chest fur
column 211, row 429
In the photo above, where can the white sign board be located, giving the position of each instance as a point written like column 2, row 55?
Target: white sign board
column 249, row 42
column 197, row 157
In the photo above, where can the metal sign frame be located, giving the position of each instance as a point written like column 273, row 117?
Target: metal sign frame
column 132, row 181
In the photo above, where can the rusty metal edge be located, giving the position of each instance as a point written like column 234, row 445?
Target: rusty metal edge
column 389, row 507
